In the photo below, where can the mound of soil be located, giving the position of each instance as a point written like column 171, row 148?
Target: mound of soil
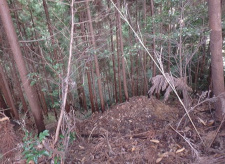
column 138, row 131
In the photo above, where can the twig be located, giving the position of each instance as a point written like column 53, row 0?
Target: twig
column 189, row 143
column 91, row 133
column 4, row 118
column 217, row 131
column 107, row 139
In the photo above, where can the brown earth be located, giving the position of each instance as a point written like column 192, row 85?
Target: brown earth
column 145, row 131
column 140, row 131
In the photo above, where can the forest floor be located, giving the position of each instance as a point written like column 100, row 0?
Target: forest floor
column 145, row 131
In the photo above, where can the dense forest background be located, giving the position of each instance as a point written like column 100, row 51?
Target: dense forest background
column 89, row 55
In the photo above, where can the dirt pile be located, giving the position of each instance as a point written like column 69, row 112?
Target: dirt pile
column 137, row 131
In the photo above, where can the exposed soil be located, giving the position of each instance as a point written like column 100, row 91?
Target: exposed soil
column 140, row 131
column 146, row 131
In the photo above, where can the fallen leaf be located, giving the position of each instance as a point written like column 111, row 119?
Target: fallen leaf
column 81, row 147
column 31, row 162
column 186, row 129
column 202, row 121
column 180, row 150
column 210, row 122
column 155, row 141
column 159, row 160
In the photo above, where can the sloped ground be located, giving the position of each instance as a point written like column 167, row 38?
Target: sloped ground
column 137, row 131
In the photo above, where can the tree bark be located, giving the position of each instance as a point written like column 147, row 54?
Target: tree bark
column 7, row 94
column 95, row 57
column 153, row 44
column 18, row 86
column 3, row 106
column 122, row 59
column 216, row 52
column 118, row 58
column 14, row 44
column 113, row 60
column 87, row 64
column 50, row 28
column 145, row 85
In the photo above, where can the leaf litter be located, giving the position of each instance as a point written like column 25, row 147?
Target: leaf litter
column 144, row 131
column 139, row 131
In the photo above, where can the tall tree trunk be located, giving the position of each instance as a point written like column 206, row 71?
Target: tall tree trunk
column 50, row 28
column 88, row 65
column 3, row 106
column 145, row 85
column 14, row 44
column 137, row 74
column 80, row 88
column 113, row 60
column 7, row 94
column 17, row 82
column 118, row 58
column 153, row 33
column 169, row 40
column 90, row 87
column 196, row 74
column 94, row 89
column 122, row 59
column 131, row 63
column 95, row 57
column 14, row 72
column 216, row 52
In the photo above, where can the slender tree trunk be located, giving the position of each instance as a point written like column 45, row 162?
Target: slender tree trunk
column 145, row 85
column 94, row 87
column 14, row 44
column 118, row 58
column 90, row 88
column 88, row 66
column 50, row 91
column 14, row 73
column 216, row 52
column 107, row 83
column 153, row 44
column 3, row 106
column 131, row 64
column 42, row 100
column 137, row 73
column 122, row 59
column 50, row 28
column 202, row 61
column 25, row 109
column 7, row 94
column 196, row 74
column 169, row 41
column 80, row 88
column 95, row 57
column 113, row 60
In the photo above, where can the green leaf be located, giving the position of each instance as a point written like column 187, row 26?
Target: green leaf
column 29, row 156
column 43, row 135
column 45, row 152
column 32, row 83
